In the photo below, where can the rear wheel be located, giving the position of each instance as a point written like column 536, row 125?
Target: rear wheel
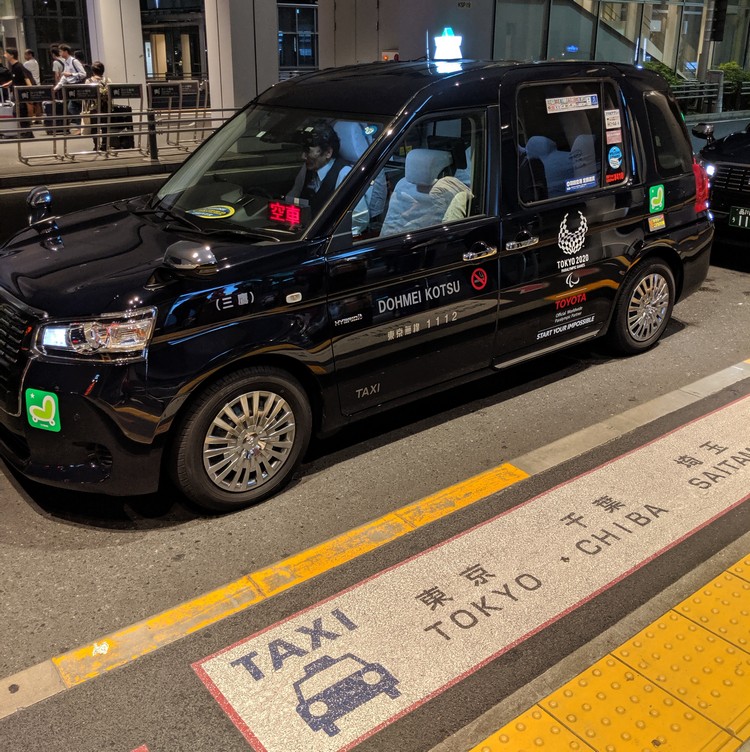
column 242, row 439
column 643, row 308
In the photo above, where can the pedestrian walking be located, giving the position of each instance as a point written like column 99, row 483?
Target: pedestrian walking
column 20, row 77
column 32, row 66
column 57, row 63
column 73, row 73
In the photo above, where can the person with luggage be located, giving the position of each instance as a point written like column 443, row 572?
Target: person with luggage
column 20, row 77
column 94, row 108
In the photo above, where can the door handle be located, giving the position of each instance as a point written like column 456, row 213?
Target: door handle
column 515, row 245
column 480, row 250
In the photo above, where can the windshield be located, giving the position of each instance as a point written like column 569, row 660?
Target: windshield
column 269, row 169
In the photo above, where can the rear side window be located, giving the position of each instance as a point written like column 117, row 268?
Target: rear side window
column 672, row 148
column 570, row 139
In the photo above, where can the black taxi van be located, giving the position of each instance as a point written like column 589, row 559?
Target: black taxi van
column 481, row 214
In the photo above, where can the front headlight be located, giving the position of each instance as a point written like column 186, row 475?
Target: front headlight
column 111, row 336
column 709, row 167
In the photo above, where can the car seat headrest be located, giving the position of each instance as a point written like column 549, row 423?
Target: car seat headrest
column 353, row 140
column 423, row 166
column 538, row 147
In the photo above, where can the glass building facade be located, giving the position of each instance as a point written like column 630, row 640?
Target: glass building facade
column 36, row 24
column 672, row 33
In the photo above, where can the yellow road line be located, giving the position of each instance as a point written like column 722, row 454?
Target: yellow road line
column 128, row 644
column 682, row 682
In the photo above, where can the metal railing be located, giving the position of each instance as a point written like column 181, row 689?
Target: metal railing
column 698, row 96
column 146, row 133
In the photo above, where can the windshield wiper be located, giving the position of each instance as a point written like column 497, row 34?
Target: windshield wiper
column 168, row 214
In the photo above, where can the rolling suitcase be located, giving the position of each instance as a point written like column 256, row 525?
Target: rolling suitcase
column 121, row 128
column 8, row 126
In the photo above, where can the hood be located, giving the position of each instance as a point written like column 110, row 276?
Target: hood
column 732, row 148
column 109, row 254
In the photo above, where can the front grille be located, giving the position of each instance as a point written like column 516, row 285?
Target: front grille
column 15, row 325
column 732, row 178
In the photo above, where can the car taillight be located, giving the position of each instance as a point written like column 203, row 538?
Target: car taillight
column 701, row 187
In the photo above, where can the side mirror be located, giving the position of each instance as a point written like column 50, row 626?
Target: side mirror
column 39, row 201
column 705, row 131
column 189, row 256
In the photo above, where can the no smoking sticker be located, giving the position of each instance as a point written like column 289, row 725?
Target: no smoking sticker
column 479, row 279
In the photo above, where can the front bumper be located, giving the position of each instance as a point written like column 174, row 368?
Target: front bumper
column 107, row 440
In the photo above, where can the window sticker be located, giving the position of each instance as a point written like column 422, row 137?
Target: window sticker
column 565, row 104
column 614, row 137
column 655, row 198
column 578, row 184
column 612, row 119
column 614, row 157
column 213, row 212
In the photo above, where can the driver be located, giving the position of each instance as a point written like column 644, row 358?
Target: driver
column 323, row 169
column 322, row 172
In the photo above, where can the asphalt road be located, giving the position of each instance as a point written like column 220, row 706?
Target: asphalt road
column 78, row 566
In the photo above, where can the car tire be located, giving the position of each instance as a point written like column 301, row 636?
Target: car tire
column 241, row 439
column 643, row 308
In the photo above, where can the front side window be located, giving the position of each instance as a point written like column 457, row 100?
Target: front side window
column 435, row 175
column 268, row 169
column 571, row 139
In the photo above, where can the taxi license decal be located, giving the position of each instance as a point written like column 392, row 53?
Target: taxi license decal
column 217, row 211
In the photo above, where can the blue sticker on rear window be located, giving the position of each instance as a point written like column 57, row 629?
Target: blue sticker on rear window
column 614, row 157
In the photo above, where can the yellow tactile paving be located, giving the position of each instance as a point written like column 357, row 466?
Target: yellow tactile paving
column 534, row 730
column 697, row 666
column 614, row 708
column 723, row 607
column 741, row 569
column 682, row 683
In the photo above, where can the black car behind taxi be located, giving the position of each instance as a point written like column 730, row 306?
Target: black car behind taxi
column 727, row 162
